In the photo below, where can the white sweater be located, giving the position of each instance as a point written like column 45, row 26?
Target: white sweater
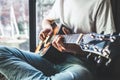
column 84, row 15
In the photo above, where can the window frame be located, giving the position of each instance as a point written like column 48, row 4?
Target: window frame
column 32, row 25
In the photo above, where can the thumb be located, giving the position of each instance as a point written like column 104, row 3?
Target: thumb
column 65, row 30
column 50, row 32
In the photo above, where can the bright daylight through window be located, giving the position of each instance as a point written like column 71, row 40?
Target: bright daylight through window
column 14, row 23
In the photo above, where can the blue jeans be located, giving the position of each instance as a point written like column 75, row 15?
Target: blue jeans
column 16, row 64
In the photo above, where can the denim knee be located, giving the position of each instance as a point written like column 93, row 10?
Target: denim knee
column 6, row 52
column 80, row 73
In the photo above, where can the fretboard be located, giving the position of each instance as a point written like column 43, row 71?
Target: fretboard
column 69, row 39
column 72, row 38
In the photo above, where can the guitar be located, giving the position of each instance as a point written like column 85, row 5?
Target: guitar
column 104, row 48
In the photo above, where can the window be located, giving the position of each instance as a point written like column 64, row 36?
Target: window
column 42, row 9
column 14, row 23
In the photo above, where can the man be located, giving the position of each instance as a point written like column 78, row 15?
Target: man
column 81, row 16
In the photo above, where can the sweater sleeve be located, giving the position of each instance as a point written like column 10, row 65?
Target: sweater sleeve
column 104, row 18
column 54, row 12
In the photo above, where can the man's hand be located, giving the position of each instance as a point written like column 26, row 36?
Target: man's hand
column 62, row 47
column 46, row 32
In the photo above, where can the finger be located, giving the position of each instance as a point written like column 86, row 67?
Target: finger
column 58, row 47
column 55, row 42
column 55, row 45
column 59, row 40
column 41, row 34
column 44, row 33
column 65, row 30
column 50, row 32
column 58, row 43
column 42, row 37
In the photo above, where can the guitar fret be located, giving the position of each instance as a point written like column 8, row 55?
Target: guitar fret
column 79, row 38
column 69, row 39
column 72, row 38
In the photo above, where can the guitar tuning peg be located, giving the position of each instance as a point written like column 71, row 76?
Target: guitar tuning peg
column 99, row 60
column 92, row 35
column 106, row 51
column 112, row 38
column 95, row 58
column 86, row 46
column 119, row 34
column 95, row 48
column 108, row 62
column 89, row 55
column 101, row 37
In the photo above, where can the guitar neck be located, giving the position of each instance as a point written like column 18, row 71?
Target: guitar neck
column 72, row 38
column 68, row 39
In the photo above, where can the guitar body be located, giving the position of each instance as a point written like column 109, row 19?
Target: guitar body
column 50, row 53
column 104, row 49
column 53, row 55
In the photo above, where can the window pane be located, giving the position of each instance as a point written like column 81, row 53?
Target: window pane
column 14, row 20
column 42, row 9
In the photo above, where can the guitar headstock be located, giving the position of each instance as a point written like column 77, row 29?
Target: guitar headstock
column 100, row 45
